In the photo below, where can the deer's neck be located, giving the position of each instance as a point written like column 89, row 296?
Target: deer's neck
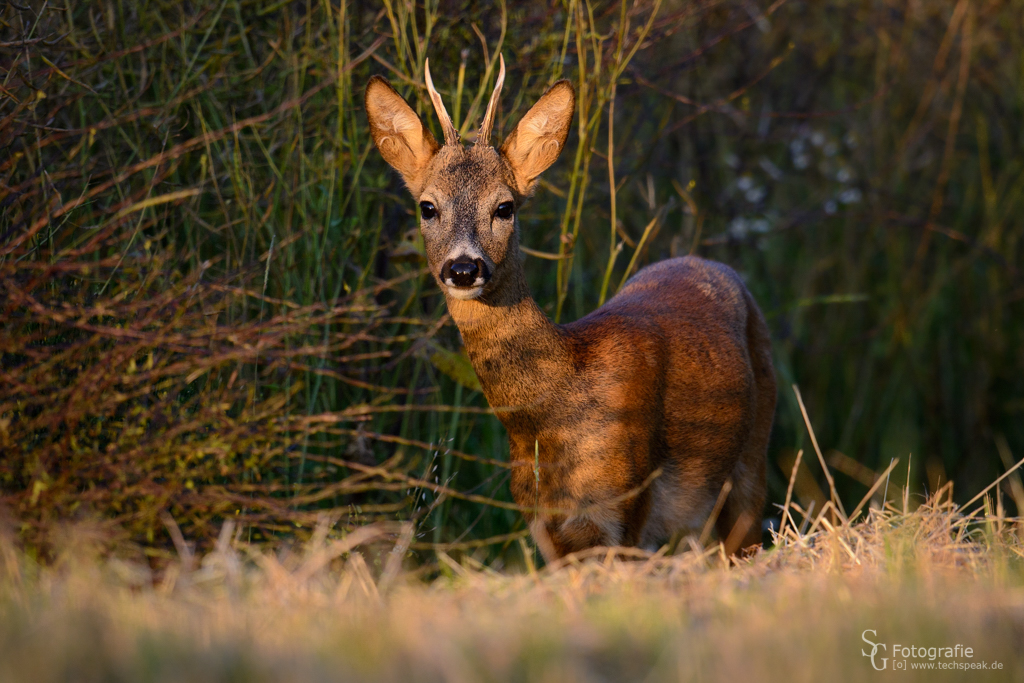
column 519, row 355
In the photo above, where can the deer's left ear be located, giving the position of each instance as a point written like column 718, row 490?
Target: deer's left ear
column 538, row 139
column 401, row 137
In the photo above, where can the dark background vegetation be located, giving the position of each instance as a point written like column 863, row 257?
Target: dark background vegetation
column 212, row 297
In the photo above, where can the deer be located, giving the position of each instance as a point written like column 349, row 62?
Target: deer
column 633, row 424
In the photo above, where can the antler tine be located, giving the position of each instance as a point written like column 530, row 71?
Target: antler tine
column 451, row 136
column 483, row 137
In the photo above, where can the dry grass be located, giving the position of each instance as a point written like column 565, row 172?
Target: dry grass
column 342, row 609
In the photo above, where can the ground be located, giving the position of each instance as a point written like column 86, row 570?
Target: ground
column 812, row 608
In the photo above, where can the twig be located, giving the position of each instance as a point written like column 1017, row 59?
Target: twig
column 715, row 511
column 871, row 491
column 838, row 504
column 789, row 490
column 995, row 483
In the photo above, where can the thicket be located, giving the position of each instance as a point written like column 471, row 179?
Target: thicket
column 213, row 302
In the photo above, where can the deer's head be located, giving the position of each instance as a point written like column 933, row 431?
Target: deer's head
column 469, row 196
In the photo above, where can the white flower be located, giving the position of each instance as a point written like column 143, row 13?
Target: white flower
column 755, row 194
column 739, row 227
column 851, row 196
column 770, row 168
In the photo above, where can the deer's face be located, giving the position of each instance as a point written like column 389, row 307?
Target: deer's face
column 467, row 212
column 468, row 196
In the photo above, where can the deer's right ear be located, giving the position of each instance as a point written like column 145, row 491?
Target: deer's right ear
column 401, row 137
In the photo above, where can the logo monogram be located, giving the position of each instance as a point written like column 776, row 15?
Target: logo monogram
column 874, row 649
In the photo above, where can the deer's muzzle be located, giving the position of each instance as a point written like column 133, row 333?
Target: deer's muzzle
column 465, row 272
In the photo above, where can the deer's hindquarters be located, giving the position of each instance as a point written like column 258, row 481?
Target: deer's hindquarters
column 673, row 374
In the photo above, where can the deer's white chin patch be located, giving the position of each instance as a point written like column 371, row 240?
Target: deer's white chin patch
column 465, row 293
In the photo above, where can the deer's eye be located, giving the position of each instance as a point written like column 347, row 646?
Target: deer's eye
column 427, row 210
column 505, row 210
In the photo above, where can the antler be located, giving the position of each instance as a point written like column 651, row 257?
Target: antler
column 484, row 135
column 451, row 136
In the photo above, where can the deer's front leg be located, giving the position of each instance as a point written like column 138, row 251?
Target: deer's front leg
column 606, row 521
column 561, row 536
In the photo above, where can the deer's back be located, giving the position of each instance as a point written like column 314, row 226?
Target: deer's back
column 687, row 318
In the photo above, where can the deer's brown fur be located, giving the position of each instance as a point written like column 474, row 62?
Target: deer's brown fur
column 673, row 373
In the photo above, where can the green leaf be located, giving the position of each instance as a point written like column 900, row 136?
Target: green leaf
column 455, row 364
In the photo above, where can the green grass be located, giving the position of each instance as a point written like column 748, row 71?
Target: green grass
column 212, row 296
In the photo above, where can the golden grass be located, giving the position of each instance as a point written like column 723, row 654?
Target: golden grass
column 342, row 609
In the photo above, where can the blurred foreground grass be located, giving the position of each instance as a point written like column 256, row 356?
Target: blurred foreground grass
column 342, row 608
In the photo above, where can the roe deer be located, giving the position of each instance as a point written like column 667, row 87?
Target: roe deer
column 674, row 373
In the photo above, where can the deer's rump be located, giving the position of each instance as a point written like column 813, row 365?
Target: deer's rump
column 679, row 361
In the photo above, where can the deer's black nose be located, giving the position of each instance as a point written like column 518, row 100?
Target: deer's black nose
column 464, row 272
